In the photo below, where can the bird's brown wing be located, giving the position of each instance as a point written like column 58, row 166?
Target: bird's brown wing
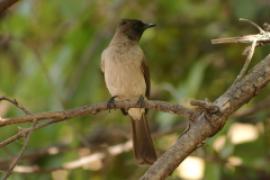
column 146, row 75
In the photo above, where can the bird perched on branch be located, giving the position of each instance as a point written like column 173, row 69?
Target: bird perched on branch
column 127, row 77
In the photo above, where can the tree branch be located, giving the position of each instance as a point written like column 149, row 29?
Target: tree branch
column 24, row 132
column 260, row 106
column 27, row 136
column 5, row 4
column 55, row 117
column 93, row 109
column 112, row 150
column 206, row 125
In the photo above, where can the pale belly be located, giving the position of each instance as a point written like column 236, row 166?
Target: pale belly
column 124, row 80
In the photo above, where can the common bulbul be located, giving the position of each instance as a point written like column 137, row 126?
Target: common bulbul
column 127, row 77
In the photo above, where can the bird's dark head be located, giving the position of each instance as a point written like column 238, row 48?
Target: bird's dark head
column 133, row 28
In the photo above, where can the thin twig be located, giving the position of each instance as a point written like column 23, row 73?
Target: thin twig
column 247, row 61
column 82, row 161
column 260, row 106
column 253, row 24
column 27, row 136
column 113, row 150
column 257, row 39
column 59, row 116
column 262, row 37
column 235, row 97
column 205, row 105
column 17, row 158
column 93, row 109
column 15, row 103
column 5, row 4
column 25, row 131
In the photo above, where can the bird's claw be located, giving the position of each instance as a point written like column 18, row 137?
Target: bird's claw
column 140, row 101
column 111, row 103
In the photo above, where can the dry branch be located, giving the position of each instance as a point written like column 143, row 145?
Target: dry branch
column 27, row 136
column 254, row 40
column 260, row 106
column 5, row 4
column 112, row 150
column 80, row 162
column 55, row 117
column 93, row 109
column 206, row 125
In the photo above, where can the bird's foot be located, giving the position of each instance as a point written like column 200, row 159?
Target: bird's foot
column 111, row 103
column 140, row 101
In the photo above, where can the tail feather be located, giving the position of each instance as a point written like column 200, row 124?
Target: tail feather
column 142, row 142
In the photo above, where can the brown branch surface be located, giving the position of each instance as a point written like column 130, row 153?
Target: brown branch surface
column 25, row 131
column 260, row 106
column 112, row 150
column 206, row 125
column 93, row 109
column 27, row 136
column 55, row 117
column 5, row 4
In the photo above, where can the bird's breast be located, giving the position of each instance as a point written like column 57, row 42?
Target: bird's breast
column 123, row 74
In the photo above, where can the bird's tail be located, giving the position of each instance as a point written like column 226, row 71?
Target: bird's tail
column 142, row 142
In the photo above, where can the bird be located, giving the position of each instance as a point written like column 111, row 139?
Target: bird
column 127, row 77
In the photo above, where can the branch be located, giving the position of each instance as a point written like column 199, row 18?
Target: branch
column 25, row 131
column 260, row 106
column 92, row 158
column 59, row 116
column 206, row 125
column 93, row 109
column 254, row 40
column 80, row 162
column 250, row 53
column 27, row 136
column 5, row 4
column 15, row 103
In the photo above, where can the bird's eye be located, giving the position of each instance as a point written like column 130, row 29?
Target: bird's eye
column 138, row 26
column 123, row 22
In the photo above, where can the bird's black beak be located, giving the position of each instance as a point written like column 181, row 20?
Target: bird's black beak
column 146, row 26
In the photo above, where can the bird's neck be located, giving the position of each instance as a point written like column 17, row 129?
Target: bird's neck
column 121, row 39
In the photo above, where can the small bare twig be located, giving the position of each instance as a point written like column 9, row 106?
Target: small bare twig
column 17, row 158
column 5, row 4
column 205, row 105
column 15, row 103
column 25, row 131
column 237, row 95
column 55, row 117
column 253, row 24
column 27, row 136
column 260, row 106
column 82, row 161
column 93, row 109
column 113, row 150
column 247, row 61
column 261, row 38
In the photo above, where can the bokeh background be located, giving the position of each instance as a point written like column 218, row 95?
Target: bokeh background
column 49, row 60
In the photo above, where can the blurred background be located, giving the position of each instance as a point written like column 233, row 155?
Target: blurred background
column 49, row 61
